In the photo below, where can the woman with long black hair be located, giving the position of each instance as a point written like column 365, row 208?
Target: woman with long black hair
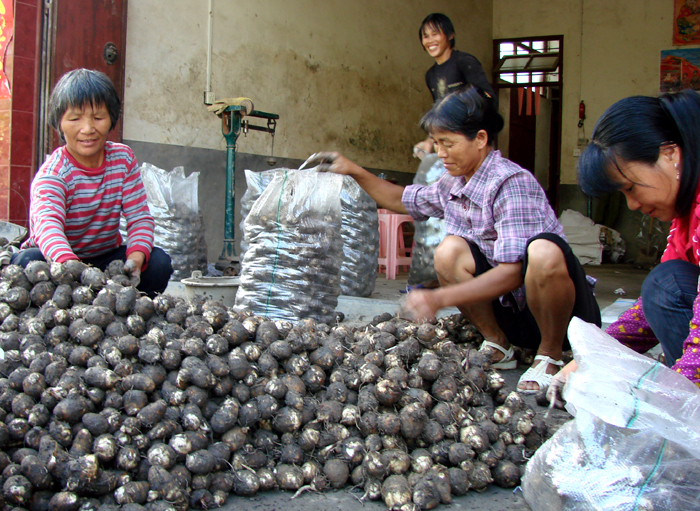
column 649, row 149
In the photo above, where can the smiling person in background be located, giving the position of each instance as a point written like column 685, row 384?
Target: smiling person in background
column 453, row 69
column 82, row 189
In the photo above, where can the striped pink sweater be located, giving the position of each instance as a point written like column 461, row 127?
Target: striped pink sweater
column 74, row 212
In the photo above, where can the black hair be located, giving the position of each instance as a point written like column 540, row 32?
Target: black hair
column 465, row 111
column 441, row 23
column 78, row 88
column 635, row 129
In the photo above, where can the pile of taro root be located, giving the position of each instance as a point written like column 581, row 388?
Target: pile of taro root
column 111, row 400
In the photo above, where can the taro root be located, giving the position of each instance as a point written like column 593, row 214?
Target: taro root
column 475, row 438
column 102, row 394
column 14, row 276
column 396, row 492
column 506, row 474
column 101, row 378
column 42, row 292
column 134, row 492
column 225, row 417
column 152, row 413
column 480, row 476
column 289, row 477
column 287, row 420
column 17, row 298
column 245, row 483
column 200, row 462
column 17, row 490
column 93, row 278
column 71, row 409
column 413, row 419
column 432, row 489
column 140, row 382
column 37, row 271
column 64, row 501
column 337, row 473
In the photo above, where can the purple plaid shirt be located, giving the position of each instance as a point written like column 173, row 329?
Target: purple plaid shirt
column 498, row 209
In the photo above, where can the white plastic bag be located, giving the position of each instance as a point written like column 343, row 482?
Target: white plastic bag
column 174, row 204
column 256, row 182
column 291, row 269
column 428, row 233
column 360, row 231
column 634, row 443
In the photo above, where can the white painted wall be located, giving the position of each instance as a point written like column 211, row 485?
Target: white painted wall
column 345, row 76
column 611, row 50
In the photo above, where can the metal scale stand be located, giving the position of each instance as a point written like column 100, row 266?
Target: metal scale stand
column 233, row 124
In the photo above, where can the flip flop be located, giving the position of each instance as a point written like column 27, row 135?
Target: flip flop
column 538, row 374
column 411, row 288
column 508, row 361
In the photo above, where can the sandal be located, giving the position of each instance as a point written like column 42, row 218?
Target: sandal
column 508, row 361
column 539, row 375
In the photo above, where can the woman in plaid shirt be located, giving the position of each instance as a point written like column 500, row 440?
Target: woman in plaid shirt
column 503, row 238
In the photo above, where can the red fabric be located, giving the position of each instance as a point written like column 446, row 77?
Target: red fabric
column 684, row 236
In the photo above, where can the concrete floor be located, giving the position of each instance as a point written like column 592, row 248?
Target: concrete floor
column 613, row 280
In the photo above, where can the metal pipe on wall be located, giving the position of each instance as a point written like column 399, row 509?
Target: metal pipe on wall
column 208, row 94
column 47, row 37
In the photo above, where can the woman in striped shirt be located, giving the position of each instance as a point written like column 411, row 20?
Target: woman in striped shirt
column 82, row 189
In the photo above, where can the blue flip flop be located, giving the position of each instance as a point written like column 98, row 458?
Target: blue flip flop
column 411, row 288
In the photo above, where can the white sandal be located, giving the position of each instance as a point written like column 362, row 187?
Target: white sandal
column 538, row 374
column 508, row 361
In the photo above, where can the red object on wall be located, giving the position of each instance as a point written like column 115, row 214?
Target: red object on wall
column 25, row 78
column 83, row 28
column 7, row 23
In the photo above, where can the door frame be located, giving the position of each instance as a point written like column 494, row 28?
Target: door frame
column 556, row 88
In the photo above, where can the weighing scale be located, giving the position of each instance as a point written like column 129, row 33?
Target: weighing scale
column 233, row 123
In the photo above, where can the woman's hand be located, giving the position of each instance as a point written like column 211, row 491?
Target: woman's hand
column 420, row 305
column 133, row 265
column 556, row 386
column 332, row 162
column 426, row 147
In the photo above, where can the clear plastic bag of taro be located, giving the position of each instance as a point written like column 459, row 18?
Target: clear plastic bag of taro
column 174, row 204
column 291, row 269
column 428, row 233
column 634, row 443
column 256, row 182
column 360, row 231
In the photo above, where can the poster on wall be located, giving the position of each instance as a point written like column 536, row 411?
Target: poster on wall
column 680, row 69
column 7, row 22
column 686, row 22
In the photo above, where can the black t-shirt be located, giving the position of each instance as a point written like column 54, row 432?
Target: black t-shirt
column 459, row 70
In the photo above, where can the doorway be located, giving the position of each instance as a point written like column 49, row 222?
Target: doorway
column 527, row 76
column 80, row 34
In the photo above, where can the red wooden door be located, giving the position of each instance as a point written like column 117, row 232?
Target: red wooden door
column 90, row 34
column 521, row 140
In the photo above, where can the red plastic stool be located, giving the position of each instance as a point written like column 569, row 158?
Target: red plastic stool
column 392, row 250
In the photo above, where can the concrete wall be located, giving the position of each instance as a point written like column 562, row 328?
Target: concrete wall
column 345, row 76
column 611, row 50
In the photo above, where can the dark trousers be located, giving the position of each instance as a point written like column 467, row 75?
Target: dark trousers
column 520, row 326
column 668, row 294
column 154, row 279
